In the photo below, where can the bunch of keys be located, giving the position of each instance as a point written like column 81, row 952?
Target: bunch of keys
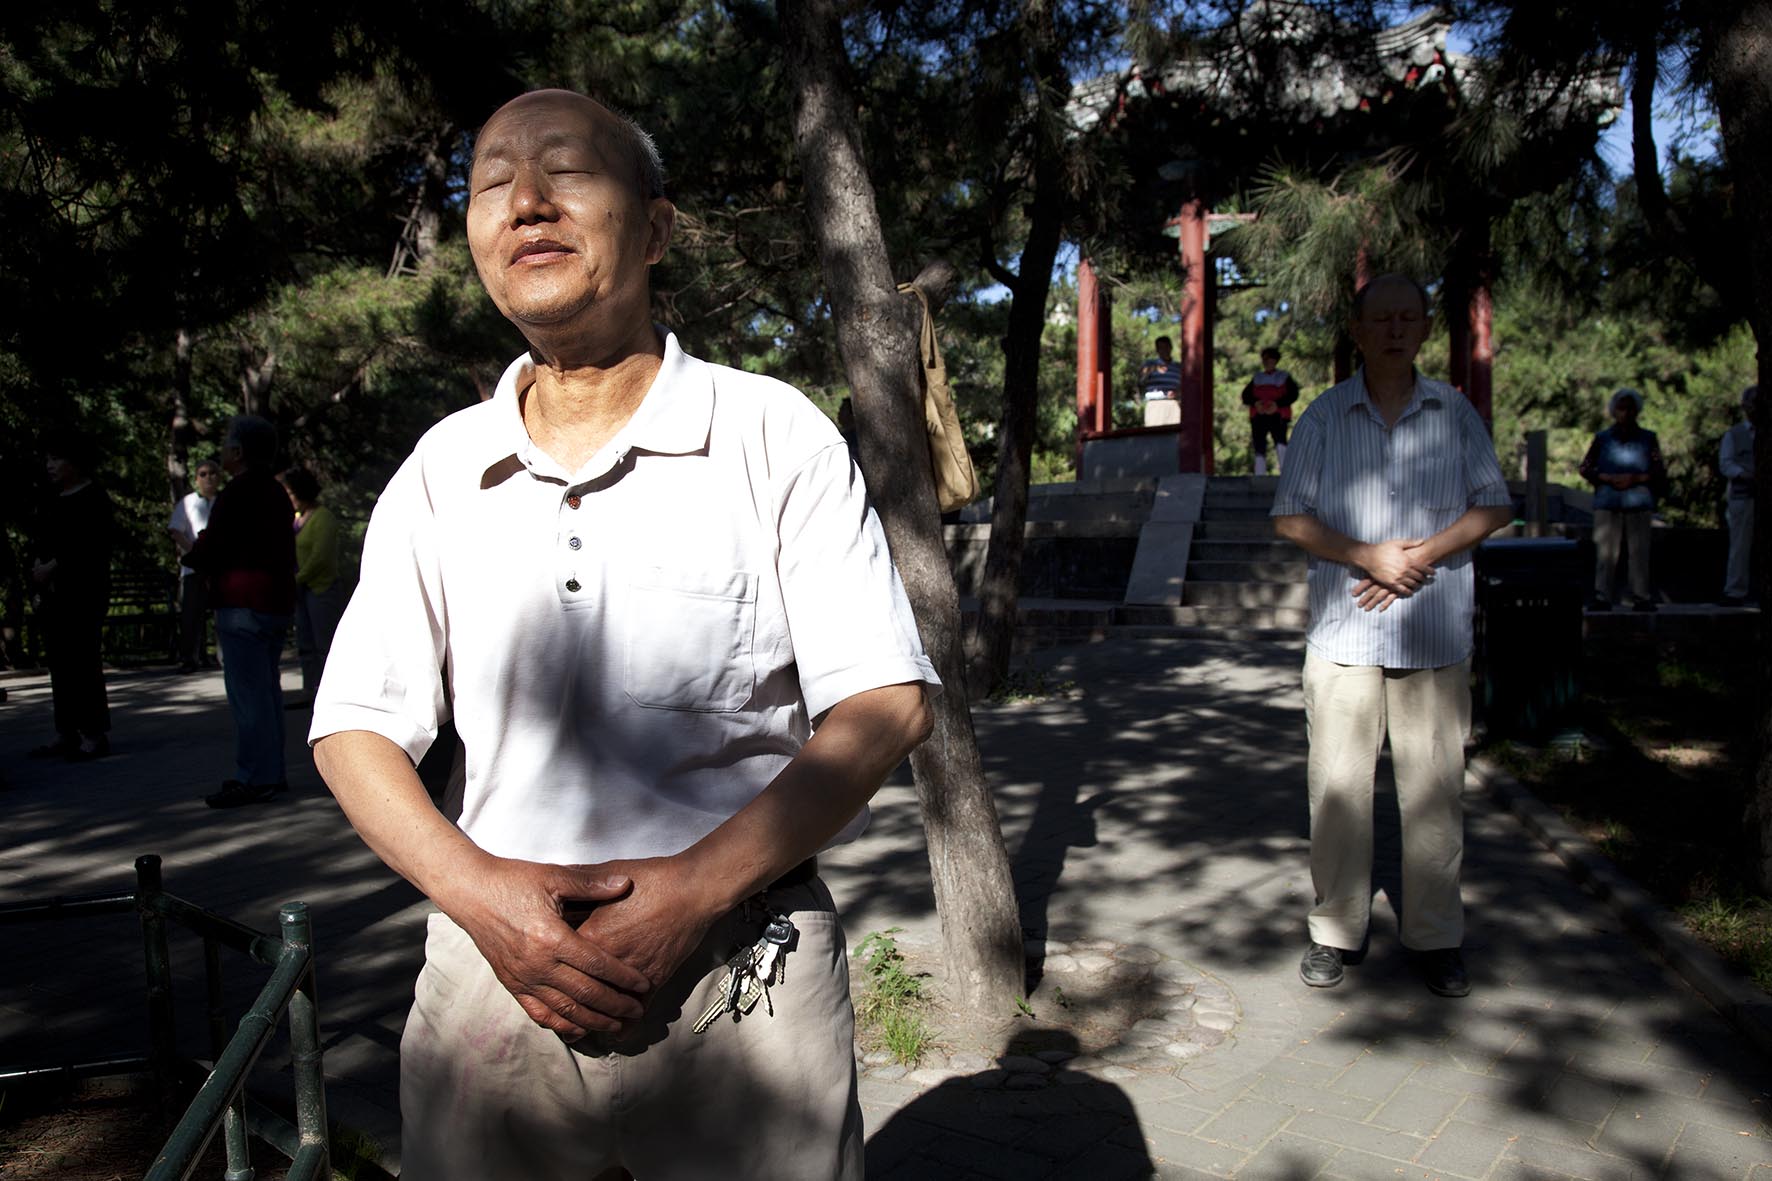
column 750, row 974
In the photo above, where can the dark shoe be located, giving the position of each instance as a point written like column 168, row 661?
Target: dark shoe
column 186, row 666
column 1321, row 966
column 90, row 748
column 1443, row 971
column 233, row 793
column 1599, row 603
column 1643, row 605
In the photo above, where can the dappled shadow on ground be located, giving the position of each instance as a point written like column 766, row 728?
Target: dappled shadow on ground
column 1163, row 805
column 1169, row 780
column 1166, row 805
column 74, row 989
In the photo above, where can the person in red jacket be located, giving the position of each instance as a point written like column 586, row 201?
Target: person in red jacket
column 1269, row 396
column 248, row 554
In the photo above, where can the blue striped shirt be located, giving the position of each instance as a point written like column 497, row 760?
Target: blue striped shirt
column 1159, row 378
column 1376, row 483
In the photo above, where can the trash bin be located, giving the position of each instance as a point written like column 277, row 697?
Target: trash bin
column 1528, row 633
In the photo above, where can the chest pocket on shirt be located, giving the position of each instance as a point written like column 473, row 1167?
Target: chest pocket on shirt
column 1435, row 475
column 690, row 646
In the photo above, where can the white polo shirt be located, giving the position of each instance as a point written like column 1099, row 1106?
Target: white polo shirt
column 190, row 516
column 632, row 651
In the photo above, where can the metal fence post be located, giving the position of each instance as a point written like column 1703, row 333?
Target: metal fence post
column 162, row 1039
column 304, row 1040
column 239, row 1152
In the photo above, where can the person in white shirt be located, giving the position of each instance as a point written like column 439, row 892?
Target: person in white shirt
column 1391, row 482
column 1737, row 465
column 651, row 595
column 190, row 516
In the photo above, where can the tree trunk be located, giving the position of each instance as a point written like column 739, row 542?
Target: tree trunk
column 433, row 195
column 998, row 593
column 256, row 374
column 1739, row 41
column 877, row 333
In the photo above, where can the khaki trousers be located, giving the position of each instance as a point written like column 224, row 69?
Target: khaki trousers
column 487, row 1095
column 1348, row 710
column 1633, row 530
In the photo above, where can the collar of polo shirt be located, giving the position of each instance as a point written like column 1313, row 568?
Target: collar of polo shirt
column 673, row 419
column 1424, row 394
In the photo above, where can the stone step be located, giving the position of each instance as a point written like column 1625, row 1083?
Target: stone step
column 1245, row 594
column 1262, row 484
column 1112, row 506
column 1237, row 493
column 1236, row 512
column 1248, row 549
column 1290, row 619
column 1236, row 570
column 1239, row 529
column 1228, row 633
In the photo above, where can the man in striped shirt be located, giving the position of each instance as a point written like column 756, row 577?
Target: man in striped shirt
column 1390, row 481
column 1160, row 376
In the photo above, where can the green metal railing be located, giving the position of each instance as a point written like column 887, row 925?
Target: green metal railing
column 221, row 1101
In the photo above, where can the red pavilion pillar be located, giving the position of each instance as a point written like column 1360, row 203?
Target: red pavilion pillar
column 1480, row 389
column 1195, row 442
column 1470, row 323
column 1095, row 338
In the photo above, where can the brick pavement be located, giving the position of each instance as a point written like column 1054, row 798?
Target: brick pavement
column 1161, row 804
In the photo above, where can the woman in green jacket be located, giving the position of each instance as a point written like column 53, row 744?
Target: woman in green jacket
column 320, row 594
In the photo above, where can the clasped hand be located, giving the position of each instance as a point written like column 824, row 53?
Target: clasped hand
column 1394, row 570
column 596, row 975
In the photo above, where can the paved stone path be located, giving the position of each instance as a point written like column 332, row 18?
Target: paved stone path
column 1159, row 805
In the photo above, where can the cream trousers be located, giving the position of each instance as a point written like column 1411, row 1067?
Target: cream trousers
column 1630, row 531
column 1349, row 710
column 488, row 1095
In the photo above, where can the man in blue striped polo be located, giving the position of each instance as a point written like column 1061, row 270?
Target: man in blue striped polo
column 1160, row 376
column 1390, row 481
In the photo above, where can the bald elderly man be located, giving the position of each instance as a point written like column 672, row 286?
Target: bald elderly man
column 1390, row 481
column 651, row 594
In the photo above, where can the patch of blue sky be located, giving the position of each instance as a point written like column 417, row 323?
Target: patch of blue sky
column 1684, row 120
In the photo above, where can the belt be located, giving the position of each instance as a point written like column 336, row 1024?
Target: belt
column 799, row 875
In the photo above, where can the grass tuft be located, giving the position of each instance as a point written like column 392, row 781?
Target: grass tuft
column 1738, row 929
column 893, row 999
column 1028, row 683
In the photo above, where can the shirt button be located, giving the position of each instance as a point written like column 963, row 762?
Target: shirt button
column 574, row 543
column 572, row 585
column 572, row 502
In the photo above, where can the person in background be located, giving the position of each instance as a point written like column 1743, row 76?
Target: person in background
column 190, row 516
column 1623, row 463
column 1737, row 466
column 1269, row 396
column 1160, row 377
column 248, row 553
column 71, row 576
column 1393, row 481
column 319, row 593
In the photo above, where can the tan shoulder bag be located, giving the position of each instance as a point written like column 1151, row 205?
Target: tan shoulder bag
column 956, row 484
